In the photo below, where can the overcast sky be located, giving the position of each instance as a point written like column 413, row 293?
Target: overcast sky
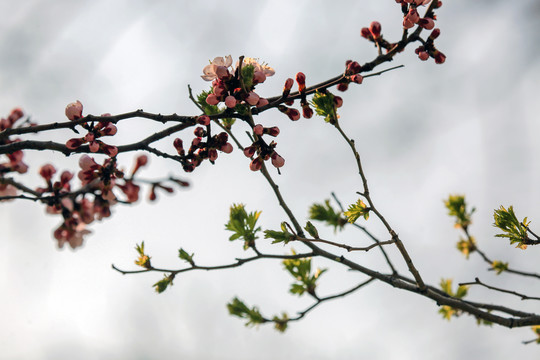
column 469, row 126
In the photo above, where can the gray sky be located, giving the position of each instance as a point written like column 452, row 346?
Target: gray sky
column 469, row 126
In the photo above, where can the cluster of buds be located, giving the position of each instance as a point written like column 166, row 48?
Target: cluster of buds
column 373, row 34
column 102, row 128
column 15, row 159
column 260, row 151
column 411, row 16
column 428, row 50
column 200, row 148
column 235, row 86
column 352, row 74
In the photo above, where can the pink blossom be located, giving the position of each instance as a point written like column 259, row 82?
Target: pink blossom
column 204, row 120
column 209, row 71
column 212, row 99
column 74, row 110
column 47, row 171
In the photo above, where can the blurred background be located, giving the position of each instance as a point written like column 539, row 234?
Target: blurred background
column 425, row 131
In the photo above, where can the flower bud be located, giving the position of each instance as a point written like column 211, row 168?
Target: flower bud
column 227, row 148
column 277, row 160
column 74, row 110
column 203, row 120
column 301, row 80
column 256, row 164
column 47, row 171
column 230, row 101
column 375, row 29
column 212, row 99
column 258, row 129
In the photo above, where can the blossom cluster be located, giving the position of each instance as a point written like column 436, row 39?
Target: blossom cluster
column 203, row 146
column 102, row 128
column 14, row 161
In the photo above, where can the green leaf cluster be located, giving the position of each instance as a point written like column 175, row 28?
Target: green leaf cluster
column 184, row 255
column 279, row 236
column 513, row 229
column 143, row 260
column 237, row 308
column 499, row 266
column 326, row 213
column 447, row 311
column 466, row 247
column 243, row 225
column 207, row 108
column 247, row 76
column 457, row 207
column 536, row 330
column 281, row 323
column 300, row 269
column 324, row 105
column 357, row 210
column 162, row 284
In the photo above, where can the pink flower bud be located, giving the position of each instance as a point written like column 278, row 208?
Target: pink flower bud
column 375, row 29
column 256, row 164
column 440, row 58
column 413, row 15
column 87, row 163
column 47, row 171
column 273, row 131
column 427, row 23
column 259, row 77
column 353, row 67
column 230, row 101
column 227, row 148
column 109, row 129
column 262, row 102
column 338, row 101
column 178, row 145
column 74, row 143
column 258, row 129
column 110, row 150
column 343, row 86
column 212, row 154
column 357, row 78
column 423, row 55
column 365, row 33
column 212, row 99
column 307, row 112
column 301, row 80
column 277, row 160
column 89, row 137
column 74, row 110
column 94, row 146
column 249, row 151
column 204, row 120
column 288, row 84
column 293, row 114
column 252, row 99
column 434, row 34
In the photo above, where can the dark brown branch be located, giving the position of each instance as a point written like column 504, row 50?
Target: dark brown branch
column 478, row 282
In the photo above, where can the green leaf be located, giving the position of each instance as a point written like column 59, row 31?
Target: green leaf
column 281, row 324
column 466, row 247
column 182, row 254
column 300, row 270
column 325, row 212
column 162, row 284
column 499, row 266
column 278, row 236
column 143, row 260
column 357, row 210
column 324, row 106
column 243, row 225
column 457, row 207
column 238, row 308
column 312, row 230
column 513, row 229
